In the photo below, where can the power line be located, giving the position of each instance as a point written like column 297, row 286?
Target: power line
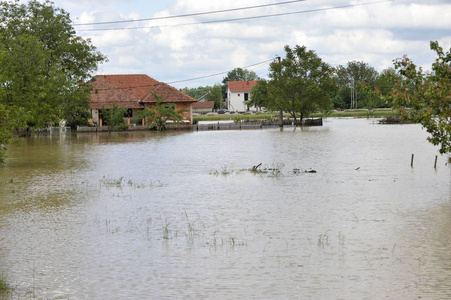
column 213, row 75
column 185, row 80
column 191, row 15
column 241, row 19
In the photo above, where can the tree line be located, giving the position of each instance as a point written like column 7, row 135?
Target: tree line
column 350, row 91
column 45, row 71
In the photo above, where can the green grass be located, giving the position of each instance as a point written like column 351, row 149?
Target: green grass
column 361, row 113
column 357, row 113
column 5, row 289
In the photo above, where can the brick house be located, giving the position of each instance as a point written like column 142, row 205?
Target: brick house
column 238, row 95
column 135, row 93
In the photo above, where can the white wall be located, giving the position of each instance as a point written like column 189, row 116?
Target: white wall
column 236, row 102
column 95, row 116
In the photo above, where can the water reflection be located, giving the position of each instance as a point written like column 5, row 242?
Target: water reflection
column 179, row 214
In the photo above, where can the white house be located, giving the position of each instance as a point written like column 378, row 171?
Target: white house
column 238, row 95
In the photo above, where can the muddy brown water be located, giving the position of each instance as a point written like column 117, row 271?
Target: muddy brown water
column 179, row 215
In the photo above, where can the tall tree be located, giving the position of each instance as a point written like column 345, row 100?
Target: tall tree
column 356, row 72
column 46, row 65
column 426, row 97
column 215, row 94
column 300, row 83
column 30, row 82
column 350, row 80
column 259, row 94
column 11, row 121
column 387, row 80
column 237, row 74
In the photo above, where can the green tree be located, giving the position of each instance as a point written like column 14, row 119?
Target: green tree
column 356, row 72
column 426, row 97
column 198, row 92
column 215, row 94
column 341, row 99
column 386, row 81
column 259, row 94
column 113, row 117
column 300, row 83
column 350, row 80
column 75, row 108
column 160, row 113
column 46, row 65
column 237, row 74
column 11, row 121
column 25, row 85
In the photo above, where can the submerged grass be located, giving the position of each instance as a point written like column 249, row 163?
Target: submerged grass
column 121, row 182
column 224, row 171
column 196, row 233
column 165, row 231
column 275, row 170
column 6, row 289
column 323, row 239
column 191, row 231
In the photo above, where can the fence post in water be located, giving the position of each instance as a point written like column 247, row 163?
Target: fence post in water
column 411, row 161
column 435, row 163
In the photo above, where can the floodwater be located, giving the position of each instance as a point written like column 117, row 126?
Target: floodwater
column 179, row 215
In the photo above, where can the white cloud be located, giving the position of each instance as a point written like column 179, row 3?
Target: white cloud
column 128, row 60
column 376, row 34
column 112, row 39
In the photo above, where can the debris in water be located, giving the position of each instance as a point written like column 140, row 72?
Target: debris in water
column 254, row 168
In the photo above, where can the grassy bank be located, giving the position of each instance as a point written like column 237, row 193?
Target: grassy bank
column 358, row 113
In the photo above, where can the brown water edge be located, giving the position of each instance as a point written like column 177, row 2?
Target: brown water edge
column 178, row 215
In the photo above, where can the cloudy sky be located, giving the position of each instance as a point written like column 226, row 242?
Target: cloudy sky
column 206, row 41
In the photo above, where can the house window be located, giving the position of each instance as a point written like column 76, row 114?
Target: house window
column 128, row 113
column 246, row 97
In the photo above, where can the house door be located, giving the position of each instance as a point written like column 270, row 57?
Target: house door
column 246, row 98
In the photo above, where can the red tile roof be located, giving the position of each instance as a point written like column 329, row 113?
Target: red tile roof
column 206, row 104
column 169, row 93
column 241, row 86
column 132, row 90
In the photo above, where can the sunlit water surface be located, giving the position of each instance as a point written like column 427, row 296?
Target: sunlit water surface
column 180, row 215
